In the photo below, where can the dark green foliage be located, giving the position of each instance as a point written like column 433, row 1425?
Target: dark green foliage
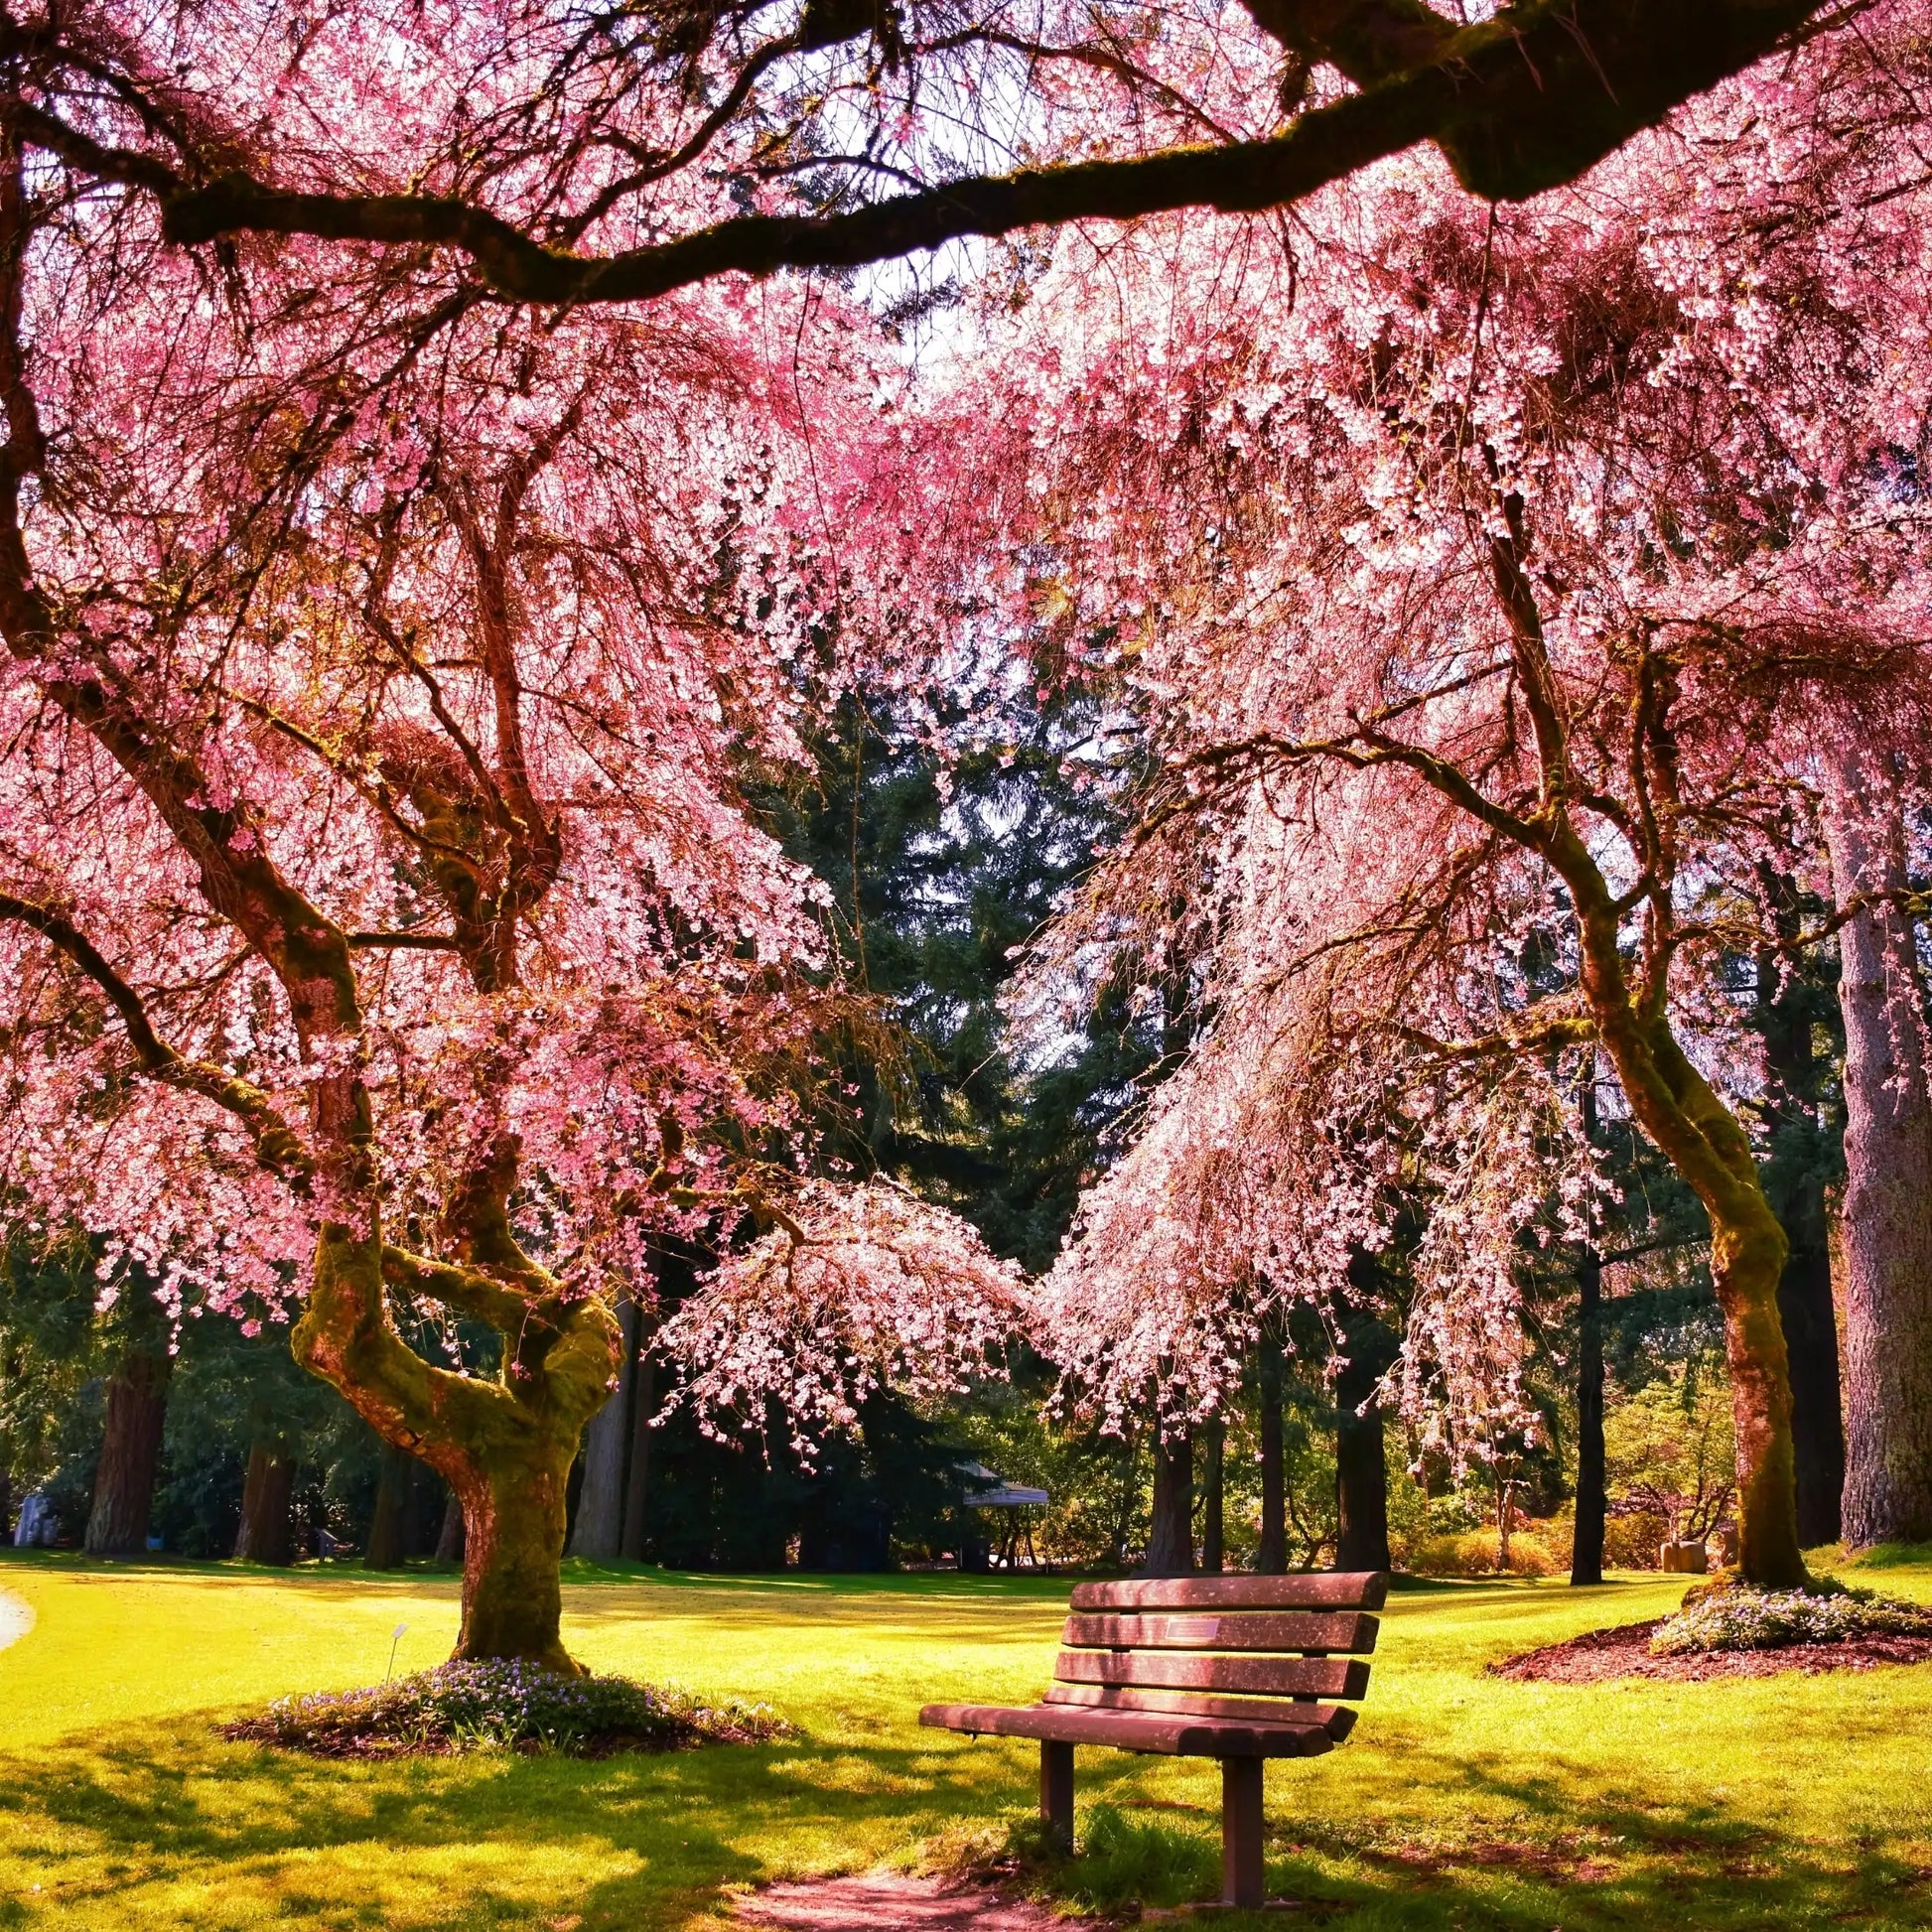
column 956, row 865
column 939, row 868
column 866, row 1499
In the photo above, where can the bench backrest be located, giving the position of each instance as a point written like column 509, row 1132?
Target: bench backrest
column 1244, row 1647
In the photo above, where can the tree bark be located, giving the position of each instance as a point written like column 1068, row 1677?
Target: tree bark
column 504, row 1447
column 1361, row 1467
column 1170, row 1536
column 599, row 1531
column 636, row 1485
column 1213, row 1530
column 1586, row 1551
column 130, row 1452
column 1270, row 1556
column 1810, row 1339
column 267, row 1532
column 1794, row 1181
column 448, row 1540
column 1682, row 1113
column 1885, row 1233
column 387, row 1543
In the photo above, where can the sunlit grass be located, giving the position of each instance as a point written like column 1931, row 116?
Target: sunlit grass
column 1461, row 1801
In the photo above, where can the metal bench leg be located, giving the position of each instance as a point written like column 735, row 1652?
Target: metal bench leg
column 1241, row 1880
column 1056, row 1792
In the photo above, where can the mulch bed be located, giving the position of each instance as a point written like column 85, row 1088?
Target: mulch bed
column 1599, row 1656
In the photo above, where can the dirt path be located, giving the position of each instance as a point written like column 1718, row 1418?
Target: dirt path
column 15, row 1619
column 885, row 1904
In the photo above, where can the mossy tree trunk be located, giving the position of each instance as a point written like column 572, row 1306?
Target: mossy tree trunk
column 1682, row 1113
column 1626, row 995
column 505, row 1445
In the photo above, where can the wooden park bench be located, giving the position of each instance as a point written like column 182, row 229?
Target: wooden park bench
column 1227, row 1667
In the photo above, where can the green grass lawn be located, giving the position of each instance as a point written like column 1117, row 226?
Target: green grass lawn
column 1459, row 1801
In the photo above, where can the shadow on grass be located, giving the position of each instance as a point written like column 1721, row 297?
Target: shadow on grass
column 1577, row 1856
column 682, row 1829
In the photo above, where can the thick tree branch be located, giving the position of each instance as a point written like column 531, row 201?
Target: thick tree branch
column 1518, row 104
column 278, row 1147
column 466, row 1290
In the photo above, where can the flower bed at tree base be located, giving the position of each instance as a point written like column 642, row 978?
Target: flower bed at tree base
column 1730, row 1631
column 501, row 1705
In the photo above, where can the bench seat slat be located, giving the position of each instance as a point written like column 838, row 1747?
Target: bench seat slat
column 1323, row 1631
column 1173, row 1736
column 1364, row 1589
column 1332, row 1677
column 1336, row 1719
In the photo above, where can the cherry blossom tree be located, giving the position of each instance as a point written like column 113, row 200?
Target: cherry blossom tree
column 1493, row 576
column 572, row 154
column 381, row 929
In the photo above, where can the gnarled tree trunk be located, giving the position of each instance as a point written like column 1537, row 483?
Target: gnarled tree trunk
column 267, row 1532
column 504, row 1447
column 1885, row 1230
column 130, row 1452
column 1682, row 1113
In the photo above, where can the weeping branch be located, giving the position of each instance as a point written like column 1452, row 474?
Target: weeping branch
column 278, row 1147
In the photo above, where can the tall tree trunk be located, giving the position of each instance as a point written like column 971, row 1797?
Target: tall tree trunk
column 449, row 1539
column 1885, row 1233
column 1786, row 1011
column 1586, row 1551
column 1213, row 1529
column 388, row 1539
column 1810, row 1337
column 1170, row 1537
column 1270, row 1556
column 1361, row 1467
column 637, row 1483
column 599, row 1531
column 130, row 1452
column 267, row 1532
column 1592, row 1502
